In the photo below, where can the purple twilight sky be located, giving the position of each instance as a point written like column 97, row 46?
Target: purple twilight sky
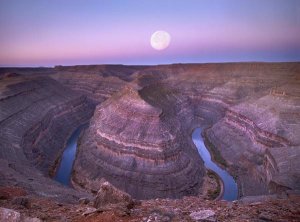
column 61, row 32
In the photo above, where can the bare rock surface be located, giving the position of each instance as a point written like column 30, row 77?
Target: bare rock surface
column 9, row 215
column 146, row 160
column 279, row 209
column 98, row 82
column 139, row 138
column 249, row 110
column 37, row 114
column 111, row 197
column 203, row 215
column 261, row 133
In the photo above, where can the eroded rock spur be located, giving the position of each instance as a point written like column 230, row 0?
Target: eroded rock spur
column 138, row 140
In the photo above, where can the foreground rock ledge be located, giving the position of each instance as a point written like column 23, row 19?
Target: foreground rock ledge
column 110, row 198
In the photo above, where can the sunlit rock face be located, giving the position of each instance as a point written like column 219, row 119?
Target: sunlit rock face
column 135, row 146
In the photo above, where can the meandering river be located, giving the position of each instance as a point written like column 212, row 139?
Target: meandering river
column 63, row 174
column 230, row 187
column 64, row 171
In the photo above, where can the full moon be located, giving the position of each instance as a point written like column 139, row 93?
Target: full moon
column 160, row 40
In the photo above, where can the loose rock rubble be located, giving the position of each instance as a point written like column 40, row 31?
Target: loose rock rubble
column 203, row 215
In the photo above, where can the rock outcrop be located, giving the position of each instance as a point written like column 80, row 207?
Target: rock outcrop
column 9, row 215
column 140, row 132
column 110, row 198
column 139, row 138
column 257, row 135
column 139, row 148
column 203, row 215
column 248, row 110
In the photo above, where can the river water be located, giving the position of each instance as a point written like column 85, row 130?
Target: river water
column 230, row 186
column 63, row 174
column 64, row 171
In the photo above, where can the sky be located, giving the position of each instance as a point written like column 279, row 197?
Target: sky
column 69, row 32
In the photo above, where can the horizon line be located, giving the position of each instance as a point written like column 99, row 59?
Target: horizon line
column 159, row 64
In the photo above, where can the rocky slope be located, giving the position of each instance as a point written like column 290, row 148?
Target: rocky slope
column 245, row 108
column 113, row 206
column 97, row 82
column 137, row 144
column 139, row 138
column 34, row 111
column 261, row 132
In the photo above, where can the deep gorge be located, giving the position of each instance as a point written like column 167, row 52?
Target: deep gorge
column 141, row 118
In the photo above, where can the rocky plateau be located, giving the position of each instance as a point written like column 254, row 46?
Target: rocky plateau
column 139, row 142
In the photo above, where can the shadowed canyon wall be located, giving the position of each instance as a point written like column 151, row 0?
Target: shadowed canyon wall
column 139, row 136
column 37, row 116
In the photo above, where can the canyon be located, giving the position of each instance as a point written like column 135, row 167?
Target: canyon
column 139, row 135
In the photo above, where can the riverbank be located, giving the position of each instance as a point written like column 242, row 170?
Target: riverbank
column 213, row 187
column 230, row 190
column 64, row 168
column 217, row 158
column 215, row 153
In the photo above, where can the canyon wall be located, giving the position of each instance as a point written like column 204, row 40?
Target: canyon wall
column 97, row 82
column 140, row 134
column 257, row 137
column 136, row 142
column 247, row 109
column 37, row 116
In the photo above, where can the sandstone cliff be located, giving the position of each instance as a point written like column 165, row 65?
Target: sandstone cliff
column 136, row 142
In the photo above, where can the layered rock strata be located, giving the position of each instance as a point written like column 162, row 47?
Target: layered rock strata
column 120, row 71
column 37, row 114
column 95, row 87
column 143, row 131
column 260, row 145
column 97, row 82
column 139, row 147
column 249, row 110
